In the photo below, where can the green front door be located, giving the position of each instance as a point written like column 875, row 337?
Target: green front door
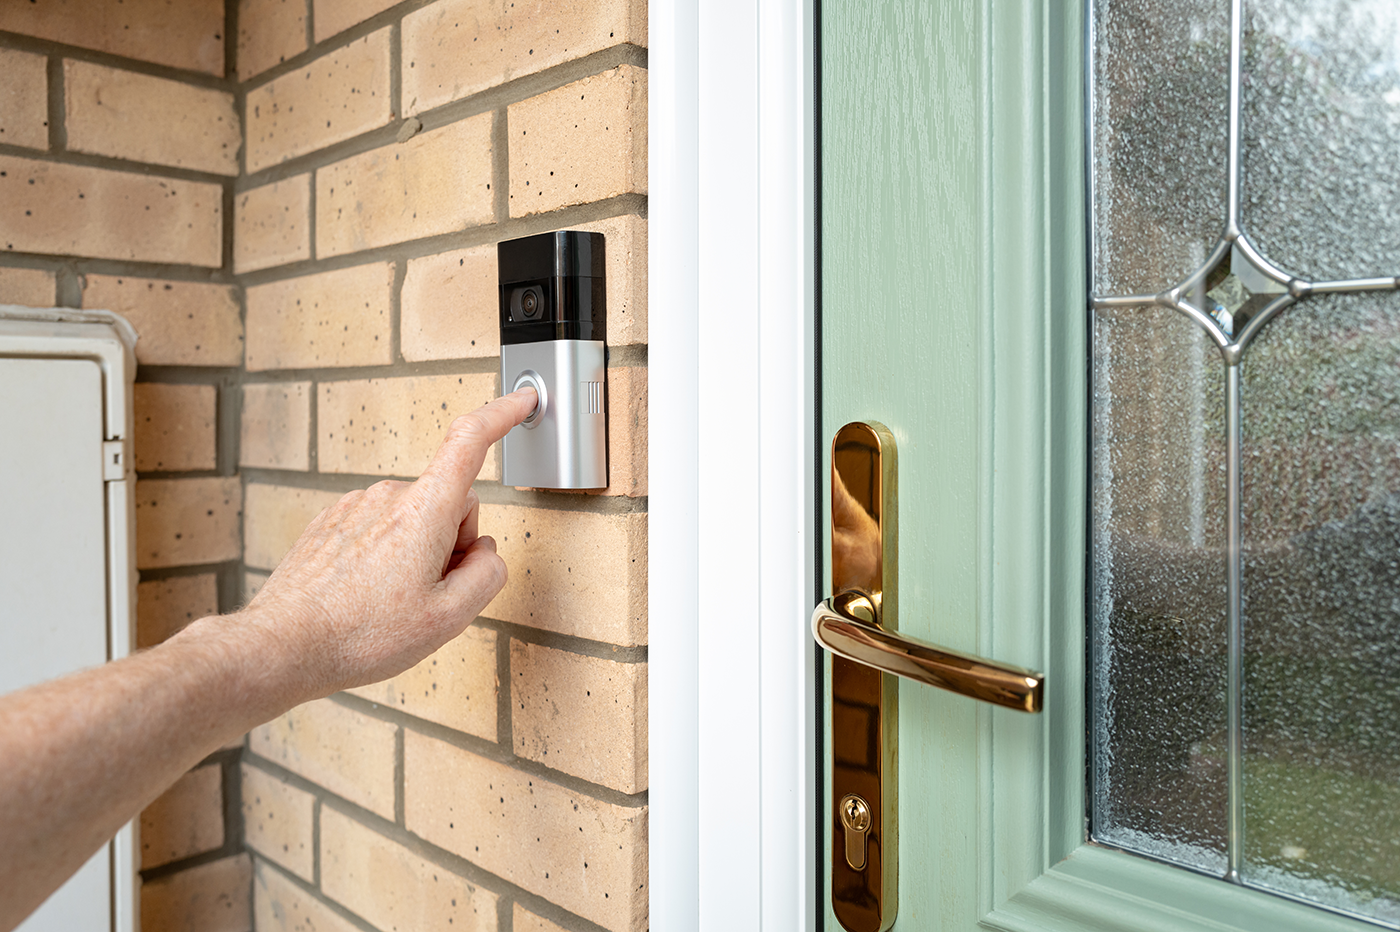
column 951, row 309
column 955, row 310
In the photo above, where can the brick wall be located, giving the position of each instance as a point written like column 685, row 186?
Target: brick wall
column 330, row 177
column 119, row 145
column 501, row 784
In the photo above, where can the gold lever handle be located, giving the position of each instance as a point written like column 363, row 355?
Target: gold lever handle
column 858, row 626
column 837, row 626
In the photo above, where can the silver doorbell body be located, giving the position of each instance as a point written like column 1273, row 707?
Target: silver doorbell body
column 553, row 316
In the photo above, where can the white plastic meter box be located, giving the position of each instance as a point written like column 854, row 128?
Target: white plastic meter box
column 67, row 541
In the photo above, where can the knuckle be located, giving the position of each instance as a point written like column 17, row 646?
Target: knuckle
column 333, row 514
column 466, row 427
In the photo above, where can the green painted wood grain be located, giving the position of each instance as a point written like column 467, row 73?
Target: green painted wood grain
column 905, row 293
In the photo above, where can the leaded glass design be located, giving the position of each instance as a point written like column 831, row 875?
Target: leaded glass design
column 1246, row 442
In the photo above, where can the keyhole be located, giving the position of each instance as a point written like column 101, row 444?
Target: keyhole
column 855, row 819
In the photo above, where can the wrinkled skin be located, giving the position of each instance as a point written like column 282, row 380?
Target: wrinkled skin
column 389, row 574
column 376, row 583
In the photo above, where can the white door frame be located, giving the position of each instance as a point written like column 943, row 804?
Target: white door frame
column 731, row 400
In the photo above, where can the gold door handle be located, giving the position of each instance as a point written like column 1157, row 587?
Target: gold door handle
column 859, row 627
column 837, row 626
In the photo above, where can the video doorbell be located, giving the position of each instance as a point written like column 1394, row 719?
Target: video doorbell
column 553, row 317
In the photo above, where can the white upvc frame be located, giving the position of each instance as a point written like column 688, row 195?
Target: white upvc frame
column 730, row 298
column 731, row 474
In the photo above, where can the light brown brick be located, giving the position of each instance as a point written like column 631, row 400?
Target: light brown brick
column 276, row 432
column 583, row 715
column 348, row 753
column 455, row 687
column 450, row 303
column 274, row 518
column 525, row 921
column 180, row 323
column 507, row 41
column 333, row 16
column 588, row 856
column 625, row 259
column 449, row 306
column 272, row 224
column 181, row 522
column 436, row 182
column 213, row 897
column 126, row 115
column 277, row 821
column 279, row 905
column 391, row 887
column 75, row 210
column 342, row 94
column 24, row 108
column 269, row 33
column 174, row 426
column 180, row 33
column 627, row 432
column 29, row 287
column 164, row 606
column 572, row 572
column 338, row 318
column 583, row 142
column 392, row 427
column 252, row 585
column 188, row 819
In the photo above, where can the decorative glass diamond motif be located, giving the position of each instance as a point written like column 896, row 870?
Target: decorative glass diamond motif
column 1247, row 446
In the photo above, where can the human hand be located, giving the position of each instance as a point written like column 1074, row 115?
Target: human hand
column 387, row 575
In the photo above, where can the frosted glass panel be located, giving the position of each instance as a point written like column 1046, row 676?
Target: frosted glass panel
column 1320, row 131
column 1160, row 107
column 1322, row 614
column 1246, row 458
column 1159, row 588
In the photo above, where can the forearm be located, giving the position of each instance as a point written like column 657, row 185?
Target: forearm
column 83, row 754
column 376, row 583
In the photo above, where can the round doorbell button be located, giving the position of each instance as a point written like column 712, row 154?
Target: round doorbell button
column 531, row 379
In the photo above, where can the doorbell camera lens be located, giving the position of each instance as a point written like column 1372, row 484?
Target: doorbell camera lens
column 526, row 304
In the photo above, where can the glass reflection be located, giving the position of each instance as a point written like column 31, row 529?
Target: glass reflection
column 1246, row 425
column 1159, row 631
column 1322, row 639
column 1320, row 134
column 1159, row 109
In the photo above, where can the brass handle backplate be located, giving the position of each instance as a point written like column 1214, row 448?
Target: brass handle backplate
column 864, row 701
column 858, row 626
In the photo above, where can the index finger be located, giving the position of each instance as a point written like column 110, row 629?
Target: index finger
column 455, row 466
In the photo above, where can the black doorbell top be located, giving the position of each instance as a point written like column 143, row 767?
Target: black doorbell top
column 552, row 287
